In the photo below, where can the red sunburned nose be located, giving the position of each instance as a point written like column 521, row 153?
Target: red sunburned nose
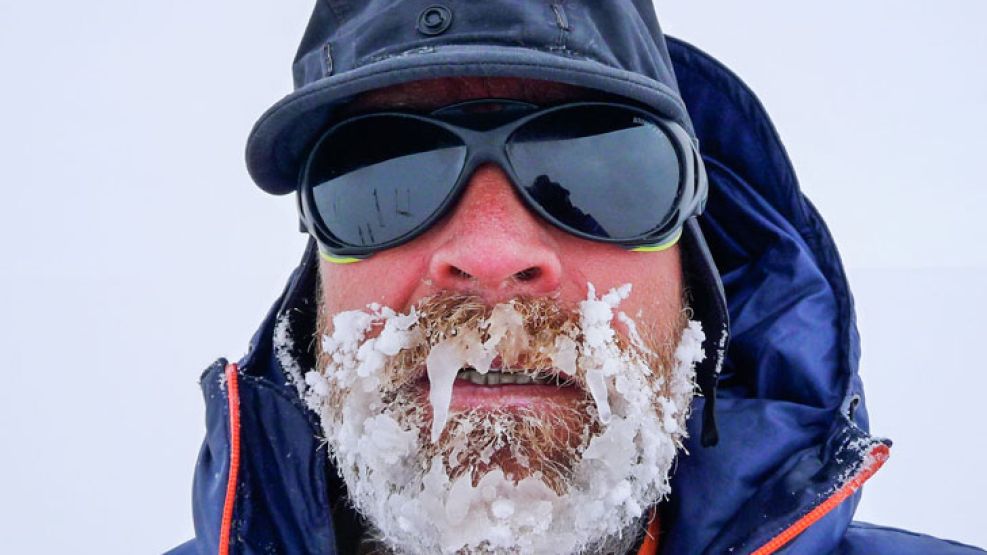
column 493, row 246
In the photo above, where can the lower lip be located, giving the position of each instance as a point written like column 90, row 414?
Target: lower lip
column 467, row 395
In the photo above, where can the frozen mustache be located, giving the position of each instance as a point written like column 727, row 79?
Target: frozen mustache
column 530, row 335
column 446, row 333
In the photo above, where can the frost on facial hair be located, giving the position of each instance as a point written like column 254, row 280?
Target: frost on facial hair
column 283, row 345
column 600, row 353
column 414, row 503
column 565, row 355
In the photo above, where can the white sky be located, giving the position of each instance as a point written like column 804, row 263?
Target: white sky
column 136, row 249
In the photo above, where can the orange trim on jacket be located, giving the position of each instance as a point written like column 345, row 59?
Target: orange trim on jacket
column 878, row 456
column 650, row 545
column 233, row 393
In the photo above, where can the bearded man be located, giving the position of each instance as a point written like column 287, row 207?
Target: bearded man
column 507, row 331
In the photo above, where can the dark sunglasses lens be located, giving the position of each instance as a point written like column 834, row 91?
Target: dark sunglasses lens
column 377, row 179
column 602, row 170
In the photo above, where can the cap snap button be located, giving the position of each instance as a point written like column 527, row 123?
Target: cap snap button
column 434, row 20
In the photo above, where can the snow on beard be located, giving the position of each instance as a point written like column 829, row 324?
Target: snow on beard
column 489, row 481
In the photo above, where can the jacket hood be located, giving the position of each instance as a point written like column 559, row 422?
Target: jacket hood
column 790, row 409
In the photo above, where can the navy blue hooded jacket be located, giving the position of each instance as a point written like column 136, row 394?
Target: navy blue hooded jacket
column 794, row 444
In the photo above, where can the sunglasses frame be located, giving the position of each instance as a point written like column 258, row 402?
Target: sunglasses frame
column 490, row 146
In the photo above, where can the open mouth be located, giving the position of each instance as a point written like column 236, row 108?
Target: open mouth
column 512, row 376
column 545, row 390
column 500, row 375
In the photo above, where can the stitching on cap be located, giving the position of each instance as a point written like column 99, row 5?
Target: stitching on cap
column 563, row 22
column 427, row 49
column 326, row 60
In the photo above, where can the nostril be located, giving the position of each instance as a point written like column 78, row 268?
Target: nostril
column 528, row 274
column 457, row 274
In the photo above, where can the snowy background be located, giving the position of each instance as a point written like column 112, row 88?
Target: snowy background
column 136, row 250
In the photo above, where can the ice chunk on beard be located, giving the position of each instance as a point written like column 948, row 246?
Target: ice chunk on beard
column 416, row 502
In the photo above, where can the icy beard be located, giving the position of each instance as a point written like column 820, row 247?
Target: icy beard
column 570, row 478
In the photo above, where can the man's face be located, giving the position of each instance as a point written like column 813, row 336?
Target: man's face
column 490, row 253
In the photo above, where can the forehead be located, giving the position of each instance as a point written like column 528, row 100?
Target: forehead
column 435, row 93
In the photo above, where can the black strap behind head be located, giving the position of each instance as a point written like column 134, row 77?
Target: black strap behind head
column 709, row 307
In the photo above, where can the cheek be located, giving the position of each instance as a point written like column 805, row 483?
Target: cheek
column 387, row 278
column 655, row 301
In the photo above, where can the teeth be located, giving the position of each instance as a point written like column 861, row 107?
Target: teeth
column 494, row 377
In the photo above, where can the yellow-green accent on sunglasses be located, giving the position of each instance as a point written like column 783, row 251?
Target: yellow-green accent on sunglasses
column 337, row 259
column 662, row 246
column 647, row 248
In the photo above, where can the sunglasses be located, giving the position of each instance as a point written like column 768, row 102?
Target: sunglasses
column 602, row 171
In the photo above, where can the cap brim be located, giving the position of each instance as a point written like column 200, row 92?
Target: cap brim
column 282, row 136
